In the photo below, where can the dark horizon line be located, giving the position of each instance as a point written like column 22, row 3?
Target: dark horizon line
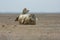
column 31, row 12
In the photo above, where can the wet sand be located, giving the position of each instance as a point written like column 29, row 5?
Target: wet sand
column 47, row 28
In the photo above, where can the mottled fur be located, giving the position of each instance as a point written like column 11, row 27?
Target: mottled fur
column 26, row 19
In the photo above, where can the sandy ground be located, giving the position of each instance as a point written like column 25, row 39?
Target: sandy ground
column 47, row 28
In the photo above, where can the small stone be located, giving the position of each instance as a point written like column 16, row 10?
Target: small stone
column 3, row 25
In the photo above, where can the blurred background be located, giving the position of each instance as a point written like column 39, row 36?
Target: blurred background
column 39, row 6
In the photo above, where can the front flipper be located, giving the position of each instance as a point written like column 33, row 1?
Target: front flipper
column 16, row 18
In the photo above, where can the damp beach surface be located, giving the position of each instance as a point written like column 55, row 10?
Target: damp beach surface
column 47, row 28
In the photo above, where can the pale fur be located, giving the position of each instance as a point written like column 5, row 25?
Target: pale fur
column 27, row 19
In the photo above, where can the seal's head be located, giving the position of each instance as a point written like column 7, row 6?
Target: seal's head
column 25, row 10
